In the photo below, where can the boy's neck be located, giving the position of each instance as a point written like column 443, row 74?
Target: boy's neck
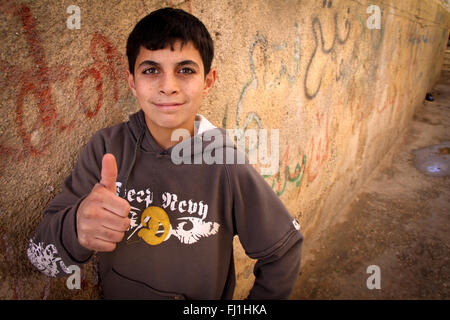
column 163, row 135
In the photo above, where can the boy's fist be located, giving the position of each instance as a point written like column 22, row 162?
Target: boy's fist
column 102, row 217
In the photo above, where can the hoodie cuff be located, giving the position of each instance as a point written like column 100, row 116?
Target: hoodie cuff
column 69, row 237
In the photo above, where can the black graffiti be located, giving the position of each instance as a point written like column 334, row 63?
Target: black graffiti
column 324, row 4
column 340, row 72
column 317, row 25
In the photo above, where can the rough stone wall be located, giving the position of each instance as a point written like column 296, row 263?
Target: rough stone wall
column 339, row 92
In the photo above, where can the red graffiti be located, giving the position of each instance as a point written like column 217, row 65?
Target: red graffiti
column 37, row 83
column 309, row 164
column 317, row 155
column 98, row 88
column 354, row 102
column 390, row 100
column 100, row 44
column 285, row 175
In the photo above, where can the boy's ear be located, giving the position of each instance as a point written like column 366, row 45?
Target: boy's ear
column 131, row 83
column 209, row 81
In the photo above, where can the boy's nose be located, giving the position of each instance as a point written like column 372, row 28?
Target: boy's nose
column 168, row 84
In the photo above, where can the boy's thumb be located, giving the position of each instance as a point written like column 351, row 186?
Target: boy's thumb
column 109, row 172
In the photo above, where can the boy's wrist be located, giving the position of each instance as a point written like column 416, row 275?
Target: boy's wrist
column 69, row 236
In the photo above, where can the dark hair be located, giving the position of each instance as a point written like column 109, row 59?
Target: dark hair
column 164, row 27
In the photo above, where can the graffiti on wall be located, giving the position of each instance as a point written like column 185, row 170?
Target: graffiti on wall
column 356, row 64
column 325, row 49
column 285, row 176
column 39, row 82
column 347, row 50
column 265, row 80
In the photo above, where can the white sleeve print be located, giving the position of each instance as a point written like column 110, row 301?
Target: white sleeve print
column 45, row 259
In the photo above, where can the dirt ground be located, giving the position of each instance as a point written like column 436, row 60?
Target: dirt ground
column 400, row 221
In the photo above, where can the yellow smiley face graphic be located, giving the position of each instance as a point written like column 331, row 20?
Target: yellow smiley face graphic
column 151, row 219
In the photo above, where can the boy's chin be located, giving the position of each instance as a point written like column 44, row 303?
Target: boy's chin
column 167, row 123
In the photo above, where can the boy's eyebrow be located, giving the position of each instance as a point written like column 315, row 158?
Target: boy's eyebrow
column 188, row 62
column 149, row 62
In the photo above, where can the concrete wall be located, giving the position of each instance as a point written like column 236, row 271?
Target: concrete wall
column 339, row 92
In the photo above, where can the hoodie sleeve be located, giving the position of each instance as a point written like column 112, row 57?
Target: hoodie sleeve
column 54, row 246
column 267, row 233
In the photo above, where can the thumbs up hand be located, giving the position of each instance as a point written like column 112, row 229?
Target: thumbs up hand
column 109, row 172
column 102, row 217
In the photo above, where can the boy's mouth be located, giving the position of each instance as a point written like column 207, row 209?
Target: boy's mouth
column 168, row 105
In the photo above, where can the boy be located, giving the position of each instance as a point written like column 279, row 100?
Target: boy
column 164, row 230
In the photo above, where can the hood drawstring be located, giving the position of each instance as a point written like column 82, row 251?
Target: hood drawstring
column 136, row 151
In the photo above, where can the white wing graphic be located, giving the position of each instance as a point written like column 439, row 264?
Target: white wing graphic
column 198, row 230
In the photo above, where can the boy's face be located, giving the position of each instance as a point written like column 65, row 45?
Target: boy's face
column 169, row 85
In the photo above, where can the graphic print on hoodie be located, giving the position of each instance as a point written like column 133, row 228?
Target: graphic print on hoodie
column 154, row 224
column 183, row 220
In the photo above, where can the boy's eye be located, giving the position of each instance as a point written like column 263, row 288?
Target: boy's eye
column 150, row 71
column 186, row 71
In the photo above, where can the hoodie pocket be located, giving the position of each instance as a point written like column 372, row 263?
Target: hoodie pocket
column 117, row 286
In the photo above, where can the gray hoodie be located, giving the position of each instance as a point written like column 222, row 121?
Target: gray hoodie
column 186, row 252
